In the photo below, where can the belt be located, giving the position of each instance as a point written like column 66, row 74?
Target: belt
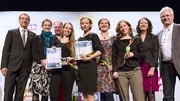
column 137, row 68
column 167, row 61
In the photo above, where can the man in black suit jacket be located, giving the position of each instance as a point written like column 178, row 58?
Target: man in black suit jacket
column 169, row 58
column 16, row 60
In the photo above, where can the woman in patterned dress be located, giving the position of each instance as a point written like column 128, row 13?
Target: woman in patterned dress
column 105, row 83
column 40, row 77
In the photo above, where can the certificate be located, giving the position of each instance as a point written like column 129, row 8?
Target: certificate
column 82, row 47
column 53, row 58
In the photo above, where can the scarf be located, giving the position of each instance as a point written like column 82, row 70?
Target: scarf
column 47, row 36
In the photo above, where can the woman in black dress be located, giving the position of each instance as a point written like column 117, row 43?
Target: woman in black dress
column 88, row 65
column 66, row 42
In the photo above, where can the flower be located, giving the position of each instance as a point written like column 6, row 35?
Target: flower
column 107, row 63
column 90, row 53
column 73, row 64
column 128, row 48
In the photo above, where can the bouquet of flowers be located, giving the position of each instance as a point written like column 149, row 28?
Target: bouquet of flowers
column 128, row 48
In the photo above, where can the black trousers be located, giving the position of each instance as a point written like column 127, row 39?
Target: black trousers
column 56, row 80
column 68, row 82
column 66, row 77
column 169, row 75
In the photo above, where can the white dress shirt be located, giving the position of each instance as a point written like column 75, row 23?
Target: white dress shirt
column 166, row 43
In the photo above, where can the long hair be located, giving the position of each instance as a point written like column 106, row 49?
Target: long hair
column 149, row 29
column 118, row 31
column 70, row 44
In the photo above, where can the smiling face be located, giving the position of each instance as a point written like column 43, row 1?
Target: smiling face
column 167, row 17
column 124, row 28
column 58, row 26
column 143, row 25
column 46, row 25
column 104, row 24
column 67, row 29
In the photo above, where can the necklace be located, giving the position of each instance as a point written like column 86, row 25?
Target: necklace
column 104, row 37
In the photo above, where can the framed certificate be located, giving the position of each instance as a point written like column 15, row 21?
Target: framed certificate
column 82, row 47
column 53, row 58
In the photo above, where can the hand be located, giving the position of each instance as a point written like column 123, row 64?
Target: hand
column 130, row 54
column 110, row 68
column 4, row 71
column 85, row 58
column 43, row 62
column 151, row 72
column 115, row 75
column 53, row 47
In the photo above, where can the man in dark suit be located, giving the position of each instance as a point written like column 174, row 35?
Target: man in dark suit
column 169, row 58
column 16, row 59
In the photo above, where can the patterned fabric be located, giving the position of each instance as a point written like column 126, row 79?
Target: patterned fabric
column 40, row 80
column 105, row 82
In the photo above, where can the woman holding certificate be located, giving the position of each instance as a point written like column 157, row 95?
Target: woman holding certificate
column 40, row 77
column 88, row 64
column 66, row 74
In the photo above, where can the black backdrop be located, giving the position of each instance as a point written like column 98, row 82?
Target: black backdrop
column 90, row 5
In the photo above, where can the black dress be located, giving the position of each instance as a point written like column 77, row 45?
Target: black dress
column 88, row 70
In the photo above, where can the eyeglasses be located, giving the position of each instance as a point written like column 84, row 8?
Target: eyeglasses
column 24, row 18
column 163, row 16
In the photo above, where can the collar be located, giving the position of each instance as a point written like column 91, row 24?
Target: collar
column 21, row 29
column 169, row 28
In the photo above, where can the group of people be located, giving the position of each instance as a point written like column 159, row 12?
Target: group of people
column 118, row 61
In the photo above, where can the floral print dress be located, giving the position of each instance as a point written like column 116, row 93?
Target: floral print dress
column 105, row 82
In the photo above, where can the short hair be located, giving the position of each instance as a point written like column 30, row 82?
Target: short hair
column 167, row 8
column 46, row 20
column 25, row 15
column 90, row 21
column 102, row 20
column 59, row 22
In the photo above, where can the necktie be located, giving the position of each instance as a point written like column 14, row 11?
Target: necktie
column 23, row 37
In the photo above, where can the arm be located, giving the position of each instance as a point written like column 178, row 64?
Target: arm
column 98, row 51
column 35, row 46
column 6, row 50
column 114, row 56
column 139, row 53
column 155, row 52
column 6, row 53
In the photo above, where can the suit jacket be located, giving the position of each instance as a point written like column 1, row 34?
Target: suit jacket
column 118, row 52
column 151, row 48
column 14, row 52
column 175, row 47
